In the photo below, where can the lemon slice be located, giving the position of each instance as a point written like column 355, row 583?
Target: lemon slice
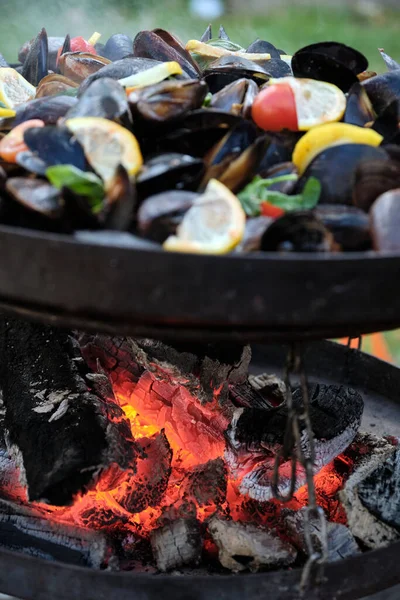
column 152, row 76
column 317, row 102
column 333, row 134
column 106, row 145
column 14, row 89
column 213, row 225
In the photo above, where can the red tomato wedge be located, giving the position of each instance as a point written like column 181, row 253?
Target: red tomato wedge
column 274, row 108
column 13, row 143
column 270, row 210
column 79, row 44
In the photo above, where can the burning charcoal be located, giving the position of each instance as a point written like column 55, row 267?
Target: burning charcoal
column 177, row 544
column 61, row 434
column 371, row 495
column 47, row 539
column 341, row 543
column 206, row 484
column 244, row 546
column 148, row 485
column 255, row 435
column 269, row 387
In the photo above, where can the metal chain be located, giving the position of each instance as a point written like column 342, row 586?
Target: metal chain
column 298, row 423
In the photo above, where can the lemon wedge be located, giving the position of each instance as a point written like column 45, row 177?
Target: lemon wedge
column 14, row 89
column 213, row 225
column 151, row 76
column 332, row 134
column 106, row 145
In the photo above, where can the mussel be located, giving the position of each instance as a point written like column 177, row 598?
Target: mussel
column 169, row 171
column 159, row 215
column 33, row 203
column 350, row 226
column 297, row 231
column 79, row 65
column 120, row 202
column 383, row 89
column 263, row 47
column 254, row 230
column 55, row 146
column 372, row 178
column 53, row 46
column 161, row 45
column 391, row 64
column 119, row 70
column 36, row 64
column 385, row 221
column 229, row 68
column 55, row 84
column 236, row 97
column 359, row 109
column 117, row 47
column 49, row 109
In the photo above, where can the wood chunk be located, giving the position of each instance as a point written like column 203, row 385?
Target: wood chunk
column 206, row 484
column 341, row 543
column 245, row 546
column 61, row 434
column 177, row 544
column 363, row 523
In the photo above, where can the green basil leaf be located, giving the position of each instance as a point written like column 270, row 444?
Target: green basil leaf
column 80, row 182
column 207, row 100
column 311, row 193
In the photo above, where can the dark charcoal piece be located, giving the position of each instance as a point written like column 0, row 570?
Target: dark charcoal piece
column 117, row 47
column 177, row 544
column 260, row 391
column 350, row 226
column 168, row 172
column 55, row 146
column 36, row 63
column 297, row 231
column 206, row 484
column 61, row 434
column 159, row 216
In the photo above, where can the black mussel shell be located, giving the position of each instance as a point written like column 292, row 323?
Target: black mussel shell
column 49, row 109
column 36, row 195
column 31, row 163
column 222, row 35
column 36, row 63
column 227, row 69
column 286, row 168
column 236, row 97
column 298, row 231
column 373, row 178
column 168, row 100
column 387, row 123
column 78, row 213
column 243, row 168
column 391, row 64
column 335, row 169
column 66, row 47
column 119, row 70
column 104, row 98
column 383, row 89
column 55, row 146
column 117, row 47
column 3, row 62
column 359, row 110
column 254, row 230
column 385, row 221
column 207, row 35
column 159, row 216
column 78, row 66
column 279, row 150
column 263, row 47
column 329, row 61
column 276, row 68
column 349, row 225
column 54, row 44
column 120, row 202
column 161, row 45
column 168, row 172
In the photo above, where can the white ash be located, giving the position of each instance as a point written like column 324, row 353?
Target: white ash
column 17, row 458
column 176, row 544
column 243, row 546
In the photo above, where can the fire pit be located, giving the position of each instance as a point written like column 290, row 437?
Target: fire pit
column 203, row 437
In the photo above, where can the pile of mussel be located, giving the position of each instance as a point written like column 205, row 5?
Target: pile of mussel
column 195, row 126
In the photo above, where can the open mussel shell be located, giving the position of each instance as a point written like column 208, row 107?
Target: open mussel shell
column 161, row 45
column 350, row 226
column 359, row 110
column 383, row 89
column 286, row 168
column 207, row 35
column 387, row 123
column 385, row 221
column 104, row 98
column 242, row 169
column 31, row 163
column 329, row 61
column 36, row 64
column 55, row 146
column 53, row 43
column 253, row 232
column 168, row 172
column 297, row 231
column 335, row 169
column 391, row 64
column 373, row 178
column 117, row 47
column 263, row 47
column 78, row 213
column 55, row 84
column 35, row 204
column 49, row 109
column 229, row 68
column 119, row 70
column 79, row 65
column 236, row 97
column 158, row 216
column 279, row 150
column 167, row 100
column 120, row 202
column 276, row 68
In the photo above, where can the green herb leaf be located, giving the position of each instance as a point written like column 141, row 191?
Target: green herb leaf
column 207, row 100
column 226, row 44
column 311, row 193
column 80, row 182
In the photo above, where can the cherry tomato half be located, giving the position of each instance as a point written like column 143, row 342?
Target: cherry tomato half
column 270, row 210
column 79, row 44
column 13, row 143
column 274, row 108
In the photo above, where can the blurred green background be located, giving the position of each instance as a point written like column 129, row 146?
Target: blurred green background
column 365, row 25
column 289, row 24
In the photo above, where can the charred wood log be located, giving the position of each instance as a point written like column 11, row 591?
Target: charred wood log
column 206, row 484
column 243, row 546
column 61, row 433
column 177, row 544
column 371, row 494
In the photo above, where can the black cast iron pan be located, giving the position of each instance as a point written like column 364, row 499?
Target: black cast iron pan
column 351, row 579
column 119, row 289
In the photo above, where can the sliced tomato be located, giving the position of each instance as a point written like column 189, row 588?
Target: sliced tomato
column 274, row 108
column 270, row 210
column 13, row 143
column 79, row 44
